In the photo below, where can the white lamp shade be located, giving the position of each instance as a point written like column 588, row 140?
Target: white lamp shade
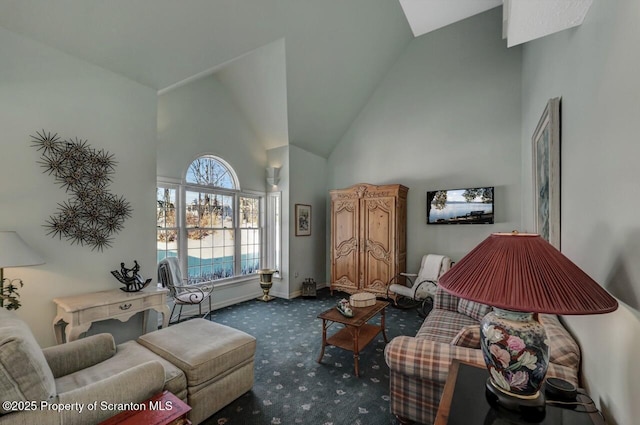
column 14, row 252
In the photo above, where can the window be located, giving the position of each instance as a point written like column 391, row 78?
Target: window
column 273, row 231
column 210, row 235
column 250, row 234
column 218, row 232
column 211, row 171
column 167, row 223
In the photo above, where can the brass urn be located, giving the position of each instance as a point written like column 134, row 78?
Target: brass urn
column 266, row 277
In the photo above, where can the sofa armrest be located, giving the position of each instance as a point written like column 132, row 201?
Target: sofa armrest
column 130, row 386
column 425, row 359
column 80, row 354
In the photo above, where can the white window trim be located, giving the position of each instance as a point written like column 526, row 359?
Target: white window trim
column 273, row 237
column 181, row 188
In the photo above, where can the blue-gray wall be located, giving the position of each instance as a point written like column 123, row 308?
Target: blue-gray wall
column 446, row 116
column 43, row 88
column 595, row 69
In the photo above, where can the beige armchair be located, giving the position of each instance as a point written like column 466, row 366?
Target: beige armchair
column 35, row 383
column 206, row 364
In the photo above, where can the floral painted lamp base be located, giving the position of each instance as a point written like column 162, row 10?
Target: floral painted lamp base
column 531, row 408
column 515, row 349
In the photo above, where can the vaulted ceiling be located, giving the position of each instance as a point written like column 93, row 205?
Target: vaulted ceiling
column 301, row 70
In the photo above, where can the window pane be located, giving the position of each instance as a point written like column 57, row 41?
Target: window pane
column 222, row 211
column 166, row 244
column 191, row 209
column 250, row 249
column 249, row 234
column 249, row 212
column 211, row 254
column 194, row 254
column 276, row 231
column 208, row 171
column 166, row 207
column 272, row 230
column 166, row 237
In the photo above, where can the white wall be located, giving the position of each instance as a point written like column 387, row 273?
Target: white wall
column 446, row 116
column 42, row 88
column 595, row 69
column 308, row 185
column 258, row 83
column 201, row 118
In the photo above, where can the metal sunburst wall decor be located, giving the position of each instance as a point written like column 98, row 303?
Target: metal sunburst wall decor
column 92, row 214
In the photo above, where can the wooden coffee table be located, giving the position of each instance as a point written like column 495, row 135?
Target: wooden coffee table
column 357, row 333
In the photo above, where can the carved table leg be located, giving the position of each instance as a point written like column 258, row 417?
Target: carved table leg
column 384, row 331
column 74, row 332
column 356, row 351
column 324, row 339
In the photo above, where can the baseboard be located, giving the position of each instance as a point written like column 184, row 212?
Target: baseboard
column 217, row 304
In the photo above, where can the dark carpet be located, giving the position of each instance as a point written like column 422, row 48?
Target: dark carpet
column 291, row 387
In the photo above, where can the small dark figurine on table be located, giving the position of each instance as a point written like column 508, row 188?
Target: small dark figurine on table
column 130, row 277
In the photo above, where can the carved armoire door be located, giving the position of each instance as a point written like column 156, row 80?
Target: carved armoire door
column 345, row 223
column 378, row 236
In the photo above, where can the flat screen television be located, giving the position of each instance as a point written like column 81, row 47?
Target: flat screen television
column 460, row 206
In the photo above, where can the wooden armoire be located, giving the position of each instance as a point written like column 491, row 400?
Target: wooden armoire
column 368, row 237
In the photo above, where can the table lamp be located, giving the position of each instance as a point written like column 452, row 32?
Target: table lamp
column 520, row 275
column 14, row 252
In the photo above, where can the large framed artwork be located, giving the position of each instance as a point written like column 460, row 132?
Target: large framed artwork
column 546, row 173
column 303, row 220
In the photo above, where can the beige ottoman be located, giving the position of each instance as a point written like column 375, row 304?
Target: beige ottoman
column 216, row 359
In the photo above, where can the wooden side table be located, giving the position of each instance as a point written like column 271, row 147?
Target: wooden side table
column 162, row 409
column 463, row 402
column 78, row 312
column 357, row 333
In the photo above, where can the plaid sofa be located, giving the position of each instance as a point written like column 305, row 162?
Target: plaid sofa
column 419, row 365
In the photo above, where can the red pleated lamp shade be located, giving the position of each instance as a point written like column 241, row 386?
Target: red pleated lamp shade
column 523, row 272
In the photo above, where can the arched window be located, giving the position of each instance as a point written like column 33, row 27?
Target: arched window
column 209, row 170
column 219, row 231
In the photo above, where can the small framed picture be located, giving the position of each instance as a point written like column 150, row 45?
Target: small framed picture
column 303, row 220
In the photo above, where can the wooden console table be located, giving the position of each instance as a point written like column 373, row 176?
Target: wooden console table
column 78, row 312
